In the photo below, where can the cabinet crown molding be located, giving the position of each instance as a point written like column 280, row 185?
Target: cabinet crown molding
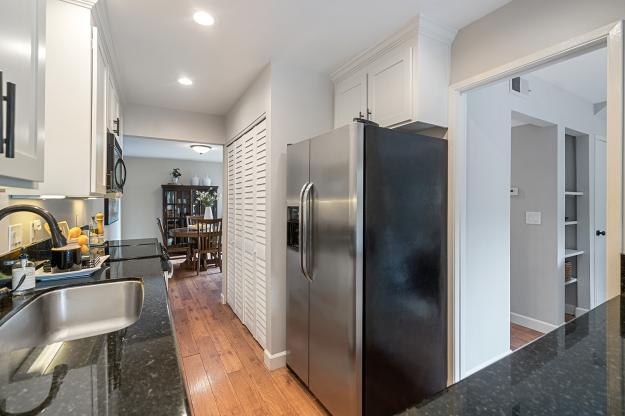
column 417, row 26
column 83, row 3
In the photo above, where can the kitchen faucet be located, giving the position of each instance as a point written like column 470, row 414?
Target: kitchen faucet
column 58, row 239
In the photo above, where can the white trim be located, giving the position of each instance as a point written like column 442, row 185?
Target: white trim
column 82, row 3
column 417, row 26
column 580, row 311
column 613, row 35
column 569, row 309
column 532, row 323
column 487, row 363
column 274, row 361
column 222, row 298
column 246, row 129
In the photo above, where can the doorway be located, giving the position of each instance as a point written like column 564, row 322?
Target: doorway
column 481, row 193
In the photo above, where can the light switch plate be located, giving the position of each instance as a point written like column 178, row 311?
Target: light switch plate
column 533, row 218
column 15, row 236
column 35, row 226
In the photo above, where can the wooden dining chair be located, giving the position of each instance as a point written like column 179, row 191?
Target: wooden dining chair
column 193, row 219
column 208, row 243
column 173, row 250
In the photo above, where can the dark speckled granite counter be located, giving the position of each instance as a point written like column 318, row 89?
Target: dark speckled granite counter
column 578, row 369
column 134, row 371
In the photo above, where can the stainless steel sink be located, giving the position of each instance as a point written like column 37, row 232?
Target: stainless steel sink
column 70, row 313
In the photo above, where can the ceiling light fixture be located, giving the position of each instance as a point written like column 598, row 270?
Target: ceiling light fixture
column 185, row 81
column 204, row 19
column 200, row 148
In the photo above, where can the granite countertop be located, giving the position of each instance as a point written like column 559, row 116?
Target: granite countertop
column 133, row 371
column 578, row 369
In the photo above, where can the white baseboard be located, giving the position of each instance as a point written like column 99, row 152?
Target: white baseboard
column 580, row 311
column 569, row 309
column 531, row 323
column 486, row 363
column 275, row 361
column 223, row 299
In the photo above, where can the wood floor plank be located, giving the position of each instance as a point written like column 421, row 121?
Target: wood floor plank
column 220, row 384
column 200, row 392
column 296, row 393
column 247, row 394
column 521, row 336
column 186, row 343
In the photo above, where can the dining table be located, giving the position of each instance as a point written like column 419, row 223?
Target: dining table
column 191, row 234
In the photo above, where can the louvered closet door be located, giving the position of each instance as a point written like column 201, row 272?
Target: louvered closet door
column 231, row 226
column 249, row 285
column 238, row 228
column 260, row 220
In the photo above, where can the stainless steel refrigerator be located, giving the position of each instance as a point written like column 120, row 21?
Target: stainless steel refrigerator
column 366, row 268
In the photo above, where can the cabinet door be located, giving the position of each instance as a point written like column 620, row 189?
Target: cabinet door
column 22, row 38
column 231, row 228
column 99, row 118
column 350, row 99
column 390, row 88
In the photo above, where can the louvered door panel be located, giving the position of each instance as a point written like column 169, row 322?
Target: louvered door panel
column 230, row 295
column 260, row 231
column 238, row 233
column 248, row 232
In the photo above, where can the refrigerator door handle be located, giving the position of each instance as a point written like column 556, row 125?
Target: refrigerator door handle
column 302, row 227
column 305, row 230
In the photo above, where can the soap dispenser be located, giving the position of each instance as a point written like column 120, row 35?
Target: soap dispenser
column 23, row 268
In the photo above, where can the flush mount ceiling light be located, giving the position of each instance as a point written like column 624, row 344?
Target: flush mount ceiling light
column 185, row 81
column 200, row 148
column 204, row 19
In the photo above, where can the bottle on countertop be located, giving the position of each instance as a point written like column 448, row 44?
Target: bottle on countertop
column 23, row 267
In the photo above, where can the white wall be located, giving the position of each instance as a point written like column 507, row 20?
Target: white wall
column 146, row 121
column 523, row 27
column 250, row 106
column 142, row 201
column 301, row 108
column 485, row 289
column 534, row 248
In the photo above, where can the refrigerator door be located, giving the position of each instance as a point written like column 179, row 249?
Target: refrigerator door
column 297, row 284
column 336, row 272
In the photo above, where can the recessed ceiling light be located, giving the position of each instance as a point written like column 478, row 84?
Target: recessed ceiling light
column 204, row 19
column 200, row 148
column 185, row 81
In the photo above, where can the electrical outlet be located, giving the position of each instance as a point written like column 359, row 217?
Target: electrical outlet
column 15, row 236
column 35, row 227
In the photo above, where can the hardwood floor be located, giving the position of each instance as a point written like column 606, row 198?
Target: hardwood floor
column 520, row 336
column 222, row 363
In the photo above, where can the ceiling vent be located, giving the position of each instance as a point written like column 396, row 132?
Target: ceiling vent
column 520, row 86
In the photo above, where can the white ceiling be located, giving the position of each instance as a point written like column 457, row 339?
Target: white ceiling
column 585, row 76
column 169, row 149
column 156, row 41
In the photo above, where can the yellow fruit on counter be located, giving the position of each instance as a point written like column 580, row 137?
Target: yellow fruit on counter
column 74, row 232
column 84, row 249
column 82, row 240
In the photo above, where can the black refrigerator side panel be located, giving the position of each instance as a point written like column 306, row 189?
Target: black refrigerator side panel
column 405, row 269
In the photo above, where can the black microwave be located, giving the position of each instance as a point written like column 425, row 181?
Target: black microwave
column 115, row 166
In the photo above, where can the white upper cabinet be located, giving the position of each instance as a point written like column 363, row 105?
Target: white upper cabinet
column 390, row 88
column 22, row 55
column 350, row 99
column 403, row 79
column 100, row 117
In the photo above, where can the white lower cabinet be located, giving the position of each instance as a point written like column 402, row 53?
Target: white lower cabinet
column 22, row 81
column 246, row 230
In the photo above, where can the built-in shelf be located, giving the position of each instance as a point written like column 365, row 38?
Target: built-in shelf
column 570, row 281
column 570, row 222
column 572, row 253
column 573, row 193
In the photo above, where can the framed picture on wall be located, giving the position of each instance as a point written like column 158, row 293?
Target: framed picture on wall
column 112, row 208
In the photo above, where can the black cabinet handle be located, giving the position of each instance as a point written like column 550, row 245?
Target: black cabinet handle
column 599, row 233
column 116, row 122
column 1, row 114
column 10, row 140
